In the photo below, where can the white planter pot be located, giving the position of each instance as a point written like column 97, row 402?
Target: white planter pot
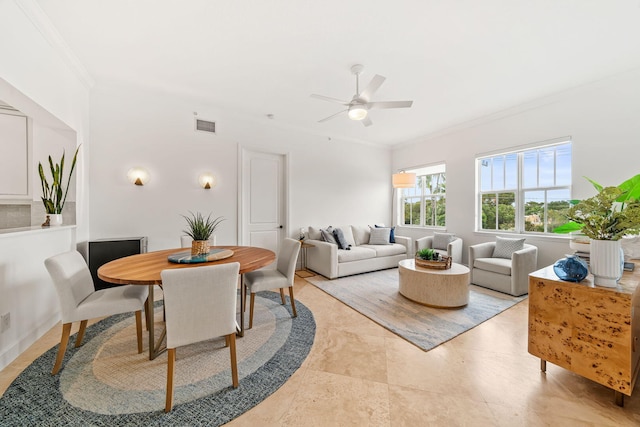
column 606, row 262
column 55, row 220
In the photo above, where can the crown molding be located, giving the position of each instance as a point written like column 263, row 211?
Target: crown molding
column 43, row 24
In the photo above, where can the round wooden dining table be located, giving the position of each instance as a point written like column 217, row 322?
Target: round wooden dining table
column 145, row 269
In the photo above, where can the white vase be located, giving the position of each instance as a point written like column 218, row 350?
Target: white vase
column 55, row 220
column 605, row 262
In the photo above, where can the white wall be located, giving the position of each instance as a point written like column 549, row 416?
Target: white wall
column 601, row 119
column 36, row 80
column 330, row 182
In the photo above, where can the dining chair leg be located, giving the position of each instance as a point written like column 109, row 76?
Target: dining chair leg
column 282, row 296
column 66, row 331
column 139, row 330
column 234, row 361
column 293, row 302
column 80, row 336
column 171, row 360
column 226, row 340
column 251, row 310
column 146, row 317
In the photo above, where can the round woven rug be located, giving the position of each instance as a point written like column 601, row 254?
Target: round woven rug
column 106, row 382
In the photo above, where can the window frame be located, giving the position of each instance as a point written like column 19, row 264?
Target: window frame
column 520, row 191
column 423, row 197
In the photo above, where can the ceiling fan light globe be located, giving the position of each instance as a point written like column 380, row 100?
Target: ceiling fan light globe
column 357, row 113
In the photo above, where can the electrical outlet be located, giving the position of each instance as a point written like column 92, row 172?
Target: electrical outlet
column 5, row 322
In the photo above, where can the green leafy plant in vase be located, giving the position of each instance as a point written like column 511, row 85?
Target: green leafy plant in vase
column 605, row 218
column 200, row 230
column 54, row 195
column 428, row 254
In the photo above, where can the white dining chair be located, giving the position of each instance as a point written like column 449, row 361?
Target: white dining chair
column 200, row 305
column 80, row 302
column 282, row 277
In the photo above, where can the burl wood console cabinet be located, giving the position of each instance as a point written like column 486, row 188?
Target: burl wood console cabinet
column 587, row 329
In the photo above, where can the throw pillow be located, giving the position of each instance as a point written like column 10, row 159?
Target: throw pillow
column 506, row 247
column 327, row 235
column 314, row 233
column 342, row 242
column 379, row 236
column 441, row 240
column 392, row 233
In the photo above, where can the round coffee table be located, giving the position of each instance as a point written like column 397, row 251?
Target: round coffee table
column 432, row 287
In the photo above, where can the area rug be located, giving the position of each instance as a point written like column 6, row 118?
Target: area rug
column 376, row 296
column 106, row 382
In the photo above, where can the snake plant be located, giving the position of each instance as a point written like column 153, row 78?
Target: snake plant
column 55, row 195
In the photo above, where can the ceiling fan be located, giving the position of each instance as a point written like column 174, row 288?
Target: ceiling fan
column 359, row 105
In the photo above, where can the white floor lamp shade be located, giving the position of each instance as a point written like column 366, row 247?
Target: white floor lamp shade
column 404, row 180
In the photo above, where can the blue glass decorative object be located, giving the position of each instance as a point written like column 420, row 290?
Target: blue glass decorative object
column 571, row 269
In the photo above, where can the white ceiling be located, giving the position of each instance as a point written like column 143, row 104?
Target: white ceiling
column 458, row 60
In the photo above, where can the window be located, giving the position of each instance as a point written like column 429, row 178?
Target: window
column 425, row 204
column 525, row 191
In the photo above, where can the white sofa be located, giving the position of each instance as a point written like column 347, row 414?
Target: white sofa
column 326, row 259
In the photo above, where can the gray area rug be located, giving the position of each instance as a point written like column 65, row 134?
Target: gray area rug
column 106, row 382
column 376, row 296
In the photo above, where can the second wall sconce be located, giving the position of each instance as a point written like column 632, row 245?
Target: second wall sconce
column 207, row 181
column 138, row 176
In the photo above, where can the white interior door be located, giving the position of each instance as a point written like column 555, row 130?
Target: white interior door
column 264, row 221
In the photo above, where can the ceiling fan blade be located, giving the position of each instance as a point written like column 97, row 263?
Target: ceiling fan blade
column 332, row 116
column 390, row 104
column 366, row 121
column 328, row 98
column 373, row 86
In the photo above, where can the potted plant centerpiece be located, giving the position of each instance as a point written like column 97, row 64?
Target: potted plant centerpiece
column 430, row 258
column 54, row 196
column 200, row 230
column 605, row 218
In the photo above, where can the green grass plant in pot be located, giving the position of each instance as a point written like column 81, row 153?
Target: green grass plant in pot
column 200, row 230
column 605, row 218
column 54, row 195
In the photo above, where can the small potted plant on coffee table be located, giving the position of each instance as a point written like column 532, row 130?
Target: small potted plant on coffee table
column 430, row 258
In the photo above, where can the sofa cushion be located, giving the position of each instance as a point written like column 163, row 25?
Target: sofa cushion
column 379, row 236
column 442, row 240
column 392, row 233
column 327, row 235
column 360, row 234
column 387, row 250
column 355, row 254
column 495, row 265
column 342, row 242
column 314, row 233
column 348, row 234
column 506, row 247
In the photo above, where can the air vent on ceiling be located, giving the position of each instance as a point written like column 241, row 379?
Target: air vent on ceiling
column 205, row 126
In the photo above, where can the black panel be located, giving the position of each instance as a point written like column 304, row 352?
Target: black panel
column 103, row 251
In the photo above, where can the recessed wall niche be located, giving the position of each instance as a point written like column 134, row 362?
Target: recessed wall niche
column 29, row 135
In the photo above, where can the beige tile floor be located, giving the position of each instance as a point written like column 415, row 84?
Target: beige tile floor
column 360, row 374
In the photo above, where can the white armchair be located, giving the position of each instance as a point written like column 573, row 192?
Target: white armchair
column 508, row 275
column 453, row 247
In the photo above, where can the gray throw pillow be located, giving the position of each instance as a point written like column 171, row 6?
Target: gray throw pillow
column 379, row 236
column 506, row 247
column 441, row 240
column 327, row 235
column 342, row 242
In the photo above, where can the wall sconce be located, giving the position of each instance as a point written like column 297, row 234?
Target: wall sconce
column 207, row 181
column 404, row 180
column 138, row 176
